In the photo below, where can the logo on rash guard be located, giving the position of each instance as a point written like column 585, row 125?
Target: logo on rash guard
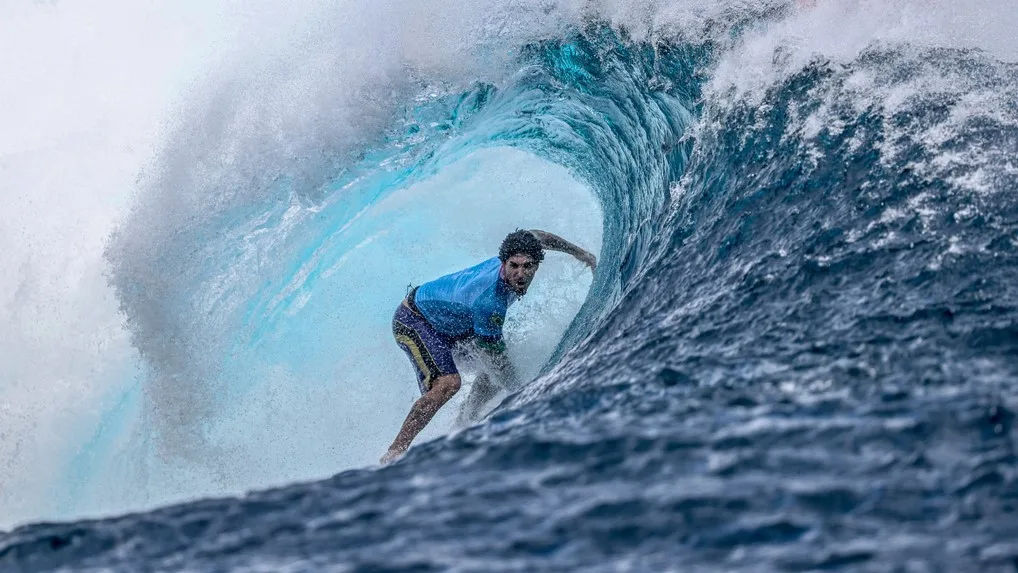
column 497, row 319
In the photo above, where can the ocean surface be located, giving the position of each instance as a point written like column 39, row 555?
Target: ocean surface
column 799, row 351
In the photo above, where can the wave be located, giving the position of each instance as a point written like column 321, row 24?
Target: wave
column 806, row 222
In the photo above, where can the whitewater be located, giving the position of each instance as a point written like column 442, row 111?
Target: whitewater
column 799, row 350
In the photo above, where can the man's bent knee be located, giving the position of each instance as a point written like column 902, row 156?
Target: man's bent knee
column 446, row 386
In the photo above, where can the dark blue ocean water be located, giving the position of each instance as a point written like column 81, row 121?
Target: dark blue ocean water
column 799, row 353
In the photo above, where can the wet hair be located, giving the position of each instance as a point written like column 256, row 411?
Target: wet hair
column 521, row 243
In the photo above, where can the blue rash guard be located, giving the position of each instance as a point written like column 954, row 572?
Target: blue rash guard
column 471, row 302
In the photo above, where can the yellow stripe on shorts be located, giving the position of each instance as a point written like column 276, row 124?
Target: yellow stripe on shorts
column 418, row 358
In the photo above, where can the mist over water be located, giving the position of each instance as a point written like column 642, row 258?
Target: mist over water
column 211, row 210
column 80, row 116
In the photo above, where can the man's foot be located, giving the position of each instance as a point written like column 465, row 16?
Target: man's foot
column 391, row 456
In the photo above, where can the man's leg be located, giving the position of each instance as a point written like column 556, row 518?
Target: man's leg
column 442, row 389
column 482, row 390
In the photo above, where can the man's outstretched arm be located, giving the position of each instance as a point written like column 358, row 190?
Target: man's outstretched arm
column 554, row 242
column 483, row 388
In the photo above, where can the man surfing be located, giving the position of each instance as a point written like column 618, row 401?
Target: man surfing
column 467, row 307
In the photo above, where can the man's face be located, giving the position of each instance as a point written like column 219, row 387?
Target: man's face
column 518, row 271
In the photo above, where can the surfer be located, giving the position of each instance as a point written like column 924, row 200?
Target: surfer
column 467, row 307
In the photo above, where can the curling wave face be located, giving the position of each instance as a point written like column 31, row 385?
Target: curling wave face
column 797, row 353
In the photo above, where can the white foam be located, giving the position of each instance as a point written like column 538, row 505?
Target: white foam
column 835, row 35
column 841, row 30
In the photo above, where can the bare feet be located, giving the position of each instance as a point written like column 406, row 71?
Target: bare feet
column 391, row 456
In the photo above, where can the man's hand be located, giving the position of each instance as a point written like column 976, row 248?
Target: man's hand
column 504, row 369
column 588, row 259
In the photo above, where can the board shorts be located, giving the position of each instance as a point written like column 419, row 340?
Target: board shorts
column 428, row 350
